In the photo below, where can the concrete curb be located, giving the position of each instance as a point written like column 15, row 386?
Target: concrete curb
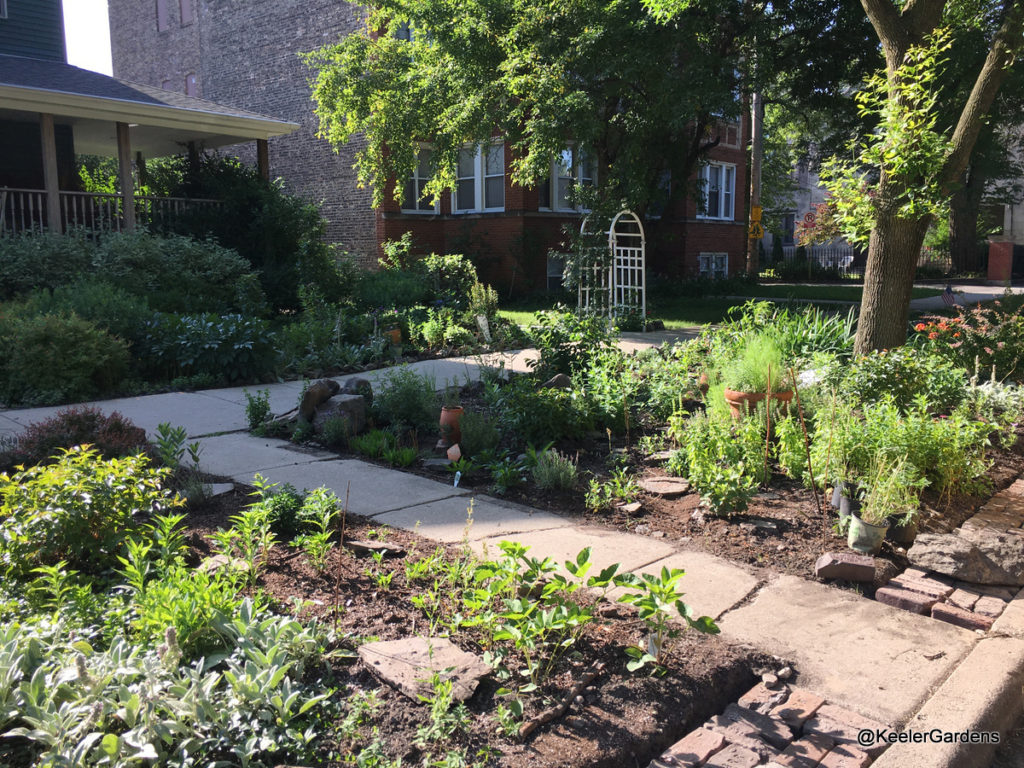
column 982, row 694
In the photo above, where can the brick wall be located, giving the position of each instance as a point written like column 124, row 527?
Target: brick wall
column 245, row 54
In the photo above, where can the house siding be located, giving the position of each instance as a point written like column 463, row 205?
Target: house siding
column 33, row 28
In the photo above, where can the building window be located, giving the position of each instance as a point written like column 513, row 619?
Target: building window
column 3, row 9
column 556, row 273
column 162, row 20
column 191, row 88
column 480, row 179
column 569, row 169
column 412, row 197
column 788, row 228
column 165, row 84
column 714, row 266
column 188, row 13
column 719, row 181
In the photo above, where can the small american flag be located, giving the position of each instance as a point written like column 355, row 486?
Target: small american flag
column 948, row 297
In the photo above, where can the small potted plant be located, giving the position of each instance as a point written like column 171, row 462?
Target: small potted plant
column 892, row 491
column 451, row 417
column 753, row 375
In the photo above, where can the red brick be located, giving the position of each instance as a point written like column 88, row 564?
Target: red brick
column 963, row 598
column 772, row 730
column 961, row 618
column 743, row 734
column 806, row 752
column 761, row 699
column 799, row 707
column 845, row 756
column 1016, row 488
column 914, row 602
column 990, row 606
column 734, row 756
column 931, row 587
column 845, row 565
column 693, row 749
column 842, row 726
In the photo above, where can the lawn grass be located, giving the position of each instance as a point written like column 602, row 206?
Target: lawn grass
column 823, row 292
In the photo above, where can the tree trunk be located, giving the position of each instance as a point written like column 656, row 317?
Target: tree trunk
column 888, row 280
column 964, row 209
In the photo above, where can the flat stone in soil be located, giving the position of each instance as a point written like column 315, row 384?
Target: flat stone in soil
column 388, row 549
column 665, row 486
column 409, row 665
column 849, row 566
column 772, row 730
column 734, row 756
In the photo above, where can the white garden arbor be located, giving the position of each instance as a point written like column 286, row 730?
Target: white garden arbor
column 614, row 280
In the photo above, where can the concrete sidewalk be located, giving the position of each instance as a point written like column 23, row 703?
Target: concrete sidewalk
column 879, row 661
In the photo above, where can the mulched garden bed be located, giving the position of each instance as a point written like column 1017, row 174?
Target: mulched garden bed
column 622, row 719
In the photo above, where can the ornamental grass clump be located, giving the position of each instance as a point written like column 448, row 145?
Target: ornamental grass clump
column 760, row 356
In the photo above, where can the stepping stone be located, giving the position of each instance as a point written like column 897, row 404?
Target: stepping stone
column 661, row 456
column 668, row 487
column 219, row 489
column 409, row 665
column 631, row 509
column 361, row 547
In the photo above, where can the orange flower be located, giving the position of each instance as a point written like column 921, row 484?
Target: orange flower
column 933, row 335
column 956, row 335
column 920, row 327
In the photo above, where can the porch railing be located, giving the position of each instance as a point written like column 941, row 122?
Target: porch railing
column 849, row 261
column 24, row 210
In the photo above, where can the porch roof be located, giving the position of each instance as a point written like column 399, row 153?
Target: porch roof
column 161, row 122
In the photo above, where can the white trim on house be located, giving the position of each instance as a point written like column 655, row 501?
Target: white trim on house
column 480, row 179
column 719, row 181
column 414, row 183
column 570, row 168
column 713, row 265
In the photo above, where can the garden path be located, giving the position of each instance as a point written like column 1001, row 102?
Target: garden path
column 882, row 662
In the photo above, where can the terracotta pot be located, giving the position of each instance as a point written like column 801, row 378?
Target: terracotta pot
column 703, row 384
column 740, row 403
column 394, row 334
column 450, row 431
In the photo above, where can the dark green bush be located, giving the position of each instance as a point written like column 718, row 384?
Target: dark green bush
column 566, row 341
column 31, row 261
column 407, row 400
column 57, row 359
column 905, row 373
column 111, row 436
column 451, row 277
column 387, row 288
column 103, row 304
column 479, row 434
column 541, row 416
column 78, row 510
column 229, row 347
column 177, row 274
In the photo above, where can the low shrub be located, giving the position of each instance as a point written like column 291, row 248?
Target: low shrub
column 541, row 416
column 567, row 341
column 107, row 306
column 78, row 511
column 903, row 374
column 389, row 288
column 111, row 436
column 230, row 347
column 555, row 471
column 56, row 359
column 479, row 434
column 407, row 400
column 990, row 338
column 32, row 261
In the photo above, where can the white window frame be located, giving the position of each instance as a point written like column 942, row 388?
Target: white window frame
column 726, row 202
column 576, row 177
column 713, row 265
column 3, row 9
column 419, row 181
column 479, row 179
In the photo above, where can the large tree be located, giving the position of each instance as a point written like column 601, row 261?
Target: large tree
column 908, row 168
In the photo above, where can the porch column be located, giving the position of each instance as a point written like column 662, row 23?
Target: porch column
column 124, row 172
column 51, row 180
column 263, row 159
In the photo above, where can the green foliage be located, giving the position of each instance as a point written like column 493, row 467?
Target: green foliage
column 387, row 289
column 483, row 300
column 722, row 459
column 988, row 337
column 257, row 409
column 566, row 342
column 758, row 358
column 452, row 278
column 335, row 432
column 284, row 503
column 102, row 303
column 57, row 358
column 657, row 597
column 400, row 456
column 554, row 471
column 78, row 510
column 479, row 434
column 904, row 374
column 374, row 443
column 506, row 473
column 318, row 514
column 541, row 415
column 892, row 491
column 111, row 436
column 407, row 400
column 31, row 261
column 230, row 347
column 619, row 488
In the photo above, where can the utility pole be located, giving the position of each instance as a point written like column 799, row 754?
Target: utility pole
column 756, row 231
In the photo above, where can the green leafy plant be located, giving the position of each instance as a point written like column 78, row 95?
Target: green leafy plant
column 374, row 443
column 407, row 400
column 748, row 371
column 554, row 471
column 619, row 488
column 319, row 511
column 479, row 434
column 657, row 598
column 257, row 409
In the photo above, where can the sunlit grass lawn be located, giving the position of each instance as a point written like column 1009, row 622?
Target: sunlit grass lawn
column 822, row 292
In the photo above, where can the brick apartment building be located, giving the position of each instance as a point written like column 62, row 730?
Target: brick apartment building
column 245, row 54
